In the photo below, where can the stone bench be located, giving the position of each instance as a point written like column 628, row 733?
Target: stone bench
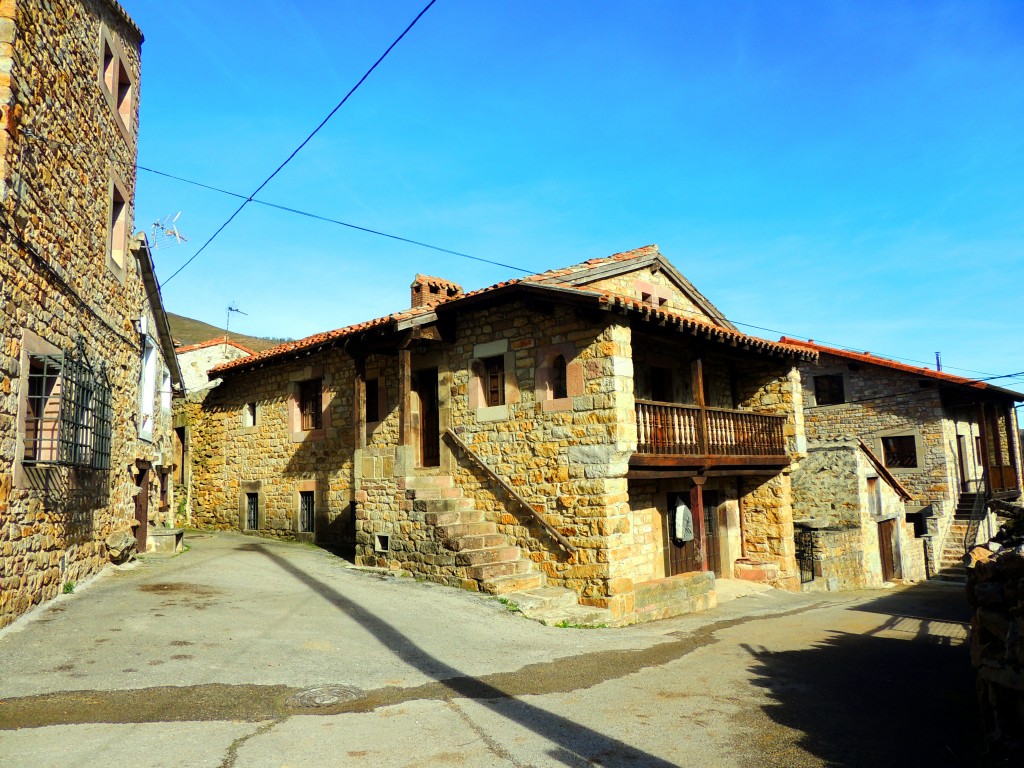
column 165, row 540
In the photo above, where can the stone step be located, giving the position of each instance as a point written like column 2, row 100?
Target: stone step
column 488, row 571
column 576, row 616
column 952, row 574
column 501, row 585
column 454, row 516
column 485, row 556
column 543, row 599
column 430, row 494
column 422, row 482
column 442, row 505
column 481, row 541
column 463, row 530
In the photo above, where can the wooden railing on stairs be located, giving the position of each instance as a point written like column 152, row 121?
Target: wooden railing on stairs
column 513, row 494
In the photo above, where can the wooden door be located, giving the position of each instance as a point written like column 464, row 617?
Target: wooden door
column 886, row 548
column 430, row 421
column 711, row 538
column 679, row 558
column 961, row 455
column 142, row 510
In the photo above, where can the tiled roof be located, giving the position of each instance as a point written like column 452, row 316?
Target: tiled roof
column 552, row 279
column 884, row 362
column 213, row 343
column 440, row 282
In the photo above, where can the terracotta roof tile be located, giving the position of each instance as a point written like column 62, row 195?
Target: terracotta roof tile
column 213, row 343
column 884, row 362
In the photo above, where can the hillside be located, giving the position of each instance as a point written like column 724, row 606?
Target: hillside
column 188, row 331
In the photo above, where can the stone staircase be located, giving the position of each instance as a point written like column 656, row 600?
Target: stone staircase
column 490, row 563
column 484, row 554
column 951, row 566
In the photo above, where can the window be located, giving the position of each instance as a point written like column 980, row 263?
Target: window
column 372, row 400
column 108, row 65
column 67, row 414
column 165, row 390
column 249, row 415
column 874, row 497
column 147, row 390
column 310, row 405
column 899, row 452
column 559, row 378
column 125, row 96
column 252, row 511
column 494, row 380
column 828, row 389
column 118, row 226
column 306, row 511
column 116, row 82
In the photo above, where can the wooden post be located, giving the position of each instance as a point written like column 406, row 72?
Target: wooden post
column 1013, row 445
column 697, row 508
column 697, row 377
column 360, row 402
column 983, row 435
column 404, row 396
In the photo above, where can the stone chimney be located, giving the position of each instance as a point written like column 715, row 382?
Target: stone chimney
column 428, row 291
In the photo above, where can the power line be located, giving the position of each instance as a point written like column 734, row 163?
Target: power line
column 329, row 220
column 304, row 142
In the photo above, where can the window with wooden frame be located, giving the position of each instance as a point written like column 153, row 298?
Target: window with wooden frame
column 900, row 451
column 311, row 404
column 372, row 400
column 828, row 389
column 494, row 380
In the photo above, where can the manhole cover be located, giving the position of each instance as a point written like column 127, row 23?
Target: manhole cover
column 323, row 696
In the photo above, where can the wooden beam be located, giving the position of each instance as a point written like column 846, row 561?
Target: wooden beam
column 404, row 396
column 360, row 402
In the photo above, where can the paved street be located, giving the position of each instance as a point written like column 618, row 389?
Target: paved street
column 248, row 652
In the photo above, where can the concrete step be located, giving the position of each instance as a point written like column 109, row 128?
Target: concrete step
column 488, row 555
column 488, row 571
column 477, row 541
column 501, row 585
column 462, row 530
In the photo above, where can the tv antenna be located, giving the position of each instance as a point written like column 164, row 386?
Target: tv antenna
column 232, row 307
column 165, row 234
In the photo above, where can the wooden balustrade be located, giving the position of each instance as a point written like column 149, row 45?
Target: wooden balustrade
column 689, row 430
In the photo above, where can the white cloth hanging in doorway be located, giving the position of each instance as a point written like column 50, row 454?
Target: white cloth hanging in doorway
column 684, row 522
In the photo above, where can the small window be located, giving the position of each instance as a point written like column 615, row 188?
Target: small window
column 252, row 511
column 559, row 378
column 43, row 409
column 828, row 390
column 310, row 404
column 494, row 380
column 109, row 71
column 306, row 511
column 125, row 97
column 899, row 452
column 874, row 497
column 372, row 400
column 165, row 390
column 249, row 415
column 118, row 227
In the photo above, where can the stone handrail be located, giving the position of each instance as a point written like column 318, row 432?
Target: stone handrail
column 564, row 542
column 689, row 430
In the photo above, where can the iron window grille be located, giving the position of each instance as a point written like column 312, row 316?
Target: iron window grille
column 306, row 511
column 252, row 511
column 69, row 414
column 900, row 451
column 804, row 540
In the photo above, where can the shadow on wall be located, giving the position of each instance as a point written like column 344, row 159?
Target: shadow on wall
column 903, row 693
column 577, row 745
column 71, row 496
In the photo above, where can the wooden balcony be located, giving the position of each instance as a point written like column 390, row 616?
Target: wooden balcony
column 671, row 435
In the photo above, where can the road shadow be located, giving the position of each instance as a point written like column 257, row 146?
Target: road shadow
column 900, row 694
column 575, row 745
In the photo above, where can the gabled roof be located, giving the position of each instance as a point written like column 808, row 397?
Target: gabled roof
column 883, row 362
column 214, row 343
column 568, row 283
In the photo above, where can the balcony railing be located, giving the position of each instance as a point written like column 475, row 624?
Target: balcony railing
column 689, row 430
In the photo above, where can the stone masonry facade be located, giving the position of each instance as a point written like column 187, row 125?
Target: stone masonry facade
column 70, row 284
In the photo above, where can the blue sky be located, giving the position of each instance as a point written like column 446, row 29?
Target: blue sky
column 847, row 171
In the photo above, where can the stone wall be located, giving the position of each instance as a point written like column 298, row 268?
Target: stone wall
column 196, row 360
column 634, row 284
column 62, row 147
column 273, row 459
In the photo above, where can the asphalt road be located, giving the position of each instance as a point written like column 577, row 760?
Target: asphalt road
column 248, row 652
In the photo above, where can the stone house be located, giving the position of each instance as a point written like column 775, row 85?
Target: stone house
column 195, row 360
column 879, row 429
column 601, row 428
column 85, row 356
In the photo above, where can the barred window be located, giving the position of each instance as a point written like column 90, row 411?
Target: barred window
column 494, row 380
column 68, row 413
column 306, row 511
column 900, row 452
